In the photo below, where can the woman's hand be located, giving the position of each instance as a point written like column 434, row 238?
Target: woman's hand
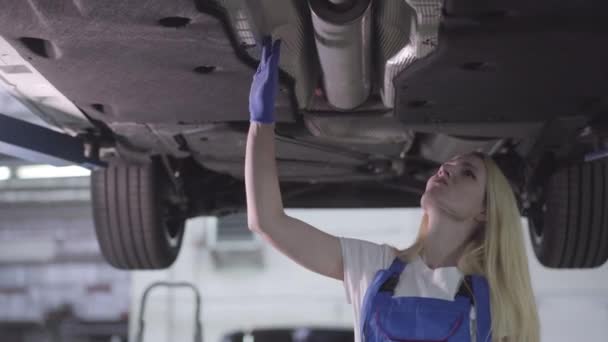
column 265, row 82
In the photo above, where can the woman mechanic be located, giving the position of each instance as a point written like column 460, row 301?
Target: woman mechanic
column 466, row 276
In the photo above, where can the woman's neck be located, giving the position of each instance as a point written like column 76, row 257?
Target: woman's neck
column 444, row 242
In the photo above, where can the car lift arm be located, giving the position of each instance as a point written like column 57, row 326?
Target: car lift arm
column 38, row 144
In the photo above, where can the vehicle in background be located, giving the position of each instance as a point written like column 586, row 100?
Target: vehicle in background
column 300, row 334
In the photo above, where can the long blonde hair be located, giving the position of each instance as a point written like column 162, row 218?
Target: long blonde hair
column 496, row 251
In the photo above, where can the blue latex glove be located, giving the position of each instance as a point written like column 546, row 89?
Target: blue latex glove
column 265, row 83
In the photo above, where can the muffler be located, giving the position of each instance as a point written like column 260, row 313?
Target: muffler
column 342, row 31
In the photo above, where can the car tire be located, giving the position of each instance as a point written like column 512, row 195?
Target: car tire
column 569, row 225
column 137, row 226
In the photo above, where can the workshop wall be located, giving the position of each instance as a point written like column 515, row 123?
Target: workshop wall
column 53, row 279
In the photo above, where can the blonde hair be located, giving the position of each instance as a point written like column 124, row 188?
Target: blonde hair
column 496, row 251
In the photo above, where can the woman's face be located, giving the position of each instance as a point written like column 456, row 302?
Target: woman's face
column 458, row 187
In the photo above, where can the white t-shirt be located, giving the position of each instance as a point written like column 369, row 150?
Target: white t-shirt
column 362, row 259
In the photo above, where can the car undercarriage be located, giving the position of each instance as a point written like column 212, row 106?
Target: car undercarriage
column 374, row 96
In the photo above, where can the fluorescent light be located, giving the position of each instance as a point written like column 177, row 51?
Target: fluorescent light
column 49, row 171
column 5, row 173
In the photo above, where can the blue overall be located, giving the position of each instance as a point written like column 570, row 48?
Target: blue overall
column 417, row 319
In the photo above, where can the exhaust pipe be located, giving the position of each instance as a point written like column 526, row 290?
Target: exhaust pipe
column 343, row 39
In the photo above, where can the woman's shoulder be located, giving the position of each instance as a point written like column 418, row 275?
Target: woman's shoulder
column 367, row 254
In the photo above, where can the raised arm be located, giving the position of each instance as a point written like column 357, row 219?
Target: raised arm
column 306, row 245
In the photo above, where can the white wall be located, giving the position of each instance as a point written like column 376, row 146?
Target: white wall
column 571, row 303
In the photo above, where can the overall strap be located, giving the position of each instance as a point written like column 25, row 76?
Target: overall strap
column 391, row 281
column 481, row 291
column 462, row 290
column 379, row 279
